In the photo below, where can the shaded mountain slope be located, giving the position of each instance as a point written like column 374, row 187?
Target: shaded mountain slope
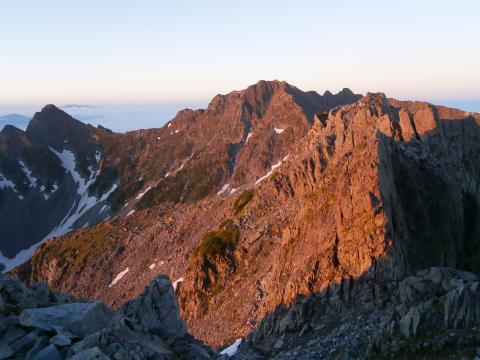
column 46, row 173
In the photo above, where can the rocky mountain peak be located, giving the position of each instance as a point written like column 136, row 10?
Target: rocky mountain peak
column 10, row 131
column 12, row 140
column 346, row 92
column 53, row 126
column 50, row 107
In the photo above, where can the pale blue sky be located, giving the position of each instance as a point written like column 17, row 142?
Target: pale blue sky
column 187, row 51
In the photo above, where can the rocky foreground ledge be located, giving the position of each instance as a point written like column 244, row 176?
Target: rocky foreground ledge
column 39, row 324
column 434, row 314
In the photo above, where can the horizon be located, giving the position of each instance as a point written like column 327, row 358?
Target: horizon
column 150, row 53
column 124, row 117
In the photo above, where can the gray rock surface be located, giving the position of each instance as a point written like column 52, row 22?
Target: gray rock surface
column 157, row 308
column 434, row 314
column 78, row 319
column 36, row 324
column 48, row 353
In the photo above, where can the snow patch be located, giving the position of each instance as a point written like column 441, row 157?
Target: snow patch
column 130, row 212
column 232, row 349
column 140, row 195
column 84, row 202
column 175, row 283
column 46, row 194
column 119, row 277
column 152, row 266
column 233, row 190
column 176, row 131
column 278, row 130
column 224, row 188
column 272, row 169
column 167, row 174
column 20, row 258
column 169, row 124
column 5, row 183
column 248, row 137
column 158, row 138
column 28, row 174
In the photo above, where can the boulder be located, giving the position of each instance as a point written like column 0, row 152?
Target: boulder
column 90, row 354
column 156, row 308
column 48, row 353
column 5, row 351
column 61, row 340
column 15, row 295
column 80, row 319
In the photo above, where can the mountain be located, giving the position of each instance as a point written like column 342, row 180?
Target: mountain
column 19, row 121
column 310, row 226
column 50, row 182
column 60, row 174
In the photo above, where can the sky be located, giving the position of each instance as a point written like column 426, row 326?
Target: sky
column 184, row 52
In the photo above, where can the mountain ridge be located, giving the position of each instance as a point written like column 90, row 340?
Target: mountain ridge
column 292, row 229
column 55, row 142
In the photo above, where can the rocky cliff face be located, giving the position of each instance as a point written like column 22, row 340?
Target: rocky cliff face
column 356, row 200
column 345, row 204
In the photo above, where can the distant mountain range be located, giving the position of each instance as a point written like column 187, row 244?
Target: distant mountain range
column 16, row 120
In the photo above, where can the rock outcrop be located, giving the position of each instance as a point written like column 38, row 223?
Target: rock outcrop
column 432, row 314
column 38, row 324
